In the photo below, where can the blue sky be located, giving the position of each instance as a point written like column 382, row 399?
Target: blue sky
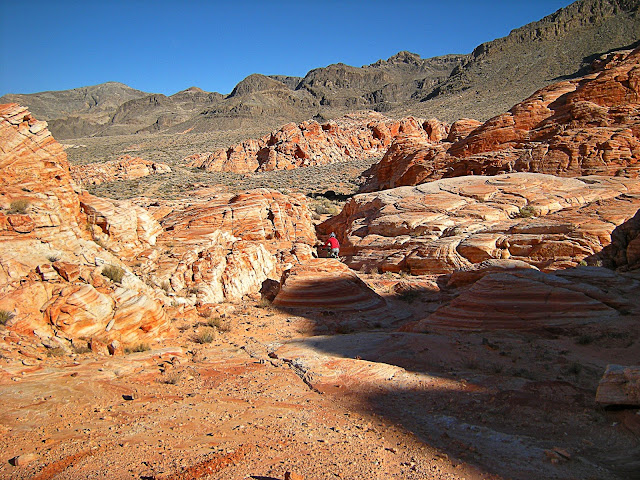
column 167, row 46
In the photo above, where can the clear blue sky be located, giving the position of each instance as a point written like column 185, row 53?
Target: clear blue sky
column 166, row 46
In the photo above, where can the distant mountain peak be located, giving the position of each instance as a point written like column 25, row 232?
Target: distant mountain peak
column 256, row 82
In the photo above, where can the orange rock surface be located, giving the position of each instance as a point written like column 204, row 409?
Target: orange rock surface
column 50, row 265
column 585, row 126
column 125, row 167
column 439, row 227
column 222, row 246
column 310, row 143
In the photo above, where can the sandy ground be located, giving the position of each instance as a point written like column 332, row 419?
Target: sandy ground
column 269, row 396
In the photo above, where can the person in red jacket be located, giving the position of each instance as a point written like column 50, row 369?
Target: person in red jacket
column 333, row 246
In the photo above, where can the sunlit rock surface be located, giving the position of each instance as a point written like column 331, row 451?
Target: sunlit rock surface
column 584, row 126
column 355, row 136
column 439, row 227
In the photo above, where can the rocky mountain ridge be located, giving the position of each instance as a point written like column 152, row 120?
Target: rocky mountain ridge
column 481, row 84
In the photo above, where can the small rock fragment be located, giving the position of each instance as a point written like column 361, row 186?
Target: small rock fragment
column 293, row 476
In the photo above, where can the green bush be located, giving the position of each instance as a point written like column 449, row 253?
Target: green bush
column 113, row 273
column 5, row 316
column 19, row 206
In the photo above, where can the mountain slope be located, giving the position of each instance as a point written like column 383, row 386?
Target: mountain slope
column 480, row 85
column 506, row 70
column 97, row 101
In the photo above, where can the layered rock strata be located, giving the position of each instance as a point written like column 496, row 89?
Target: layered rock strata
column 585, row 126
column 355, row 136
column 218, row 247
column 328, row 290
column 51, row 279
column 450, row 224
column 324, row 283
column 125, row 167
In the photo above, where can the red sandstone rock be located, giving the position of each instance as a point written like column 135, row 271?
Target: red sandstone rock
column 585, row 126
column 324, row 283
column 54, row 302
column 125, row 228
column 125, row 167
column 225, row 246
column 309, row 143
column 35, row 171
column 450, row 224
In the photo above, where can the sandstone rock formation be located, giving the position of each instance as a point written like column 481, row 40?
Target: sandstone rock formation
column 439, row 227
column 619, row 385
column 125, row 167
column 527, row 299
column 577, row 127
column 333, row 294
column 354, row 136
column 218, row 247
column 50, row 266
column 324, row 283
column 122, row 227
column 624, row 251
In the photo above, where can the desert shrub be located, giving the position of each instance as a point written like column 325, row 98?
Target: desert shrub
column 585, row 339
column 171, row 378
column 206, row 335
column 324, row 206
column 264, row 303
column 19, row 206
column 113, row 273
column 218, row 324
column 55, row 352
column 526, row 212
column 53, row 258
column 574, row 369
column 344, row 329
column 80, row 349
column 5, row 316
column 138, row 347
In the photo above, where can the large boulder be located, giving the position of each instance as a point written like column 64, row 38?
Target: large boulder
column 439, row 227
